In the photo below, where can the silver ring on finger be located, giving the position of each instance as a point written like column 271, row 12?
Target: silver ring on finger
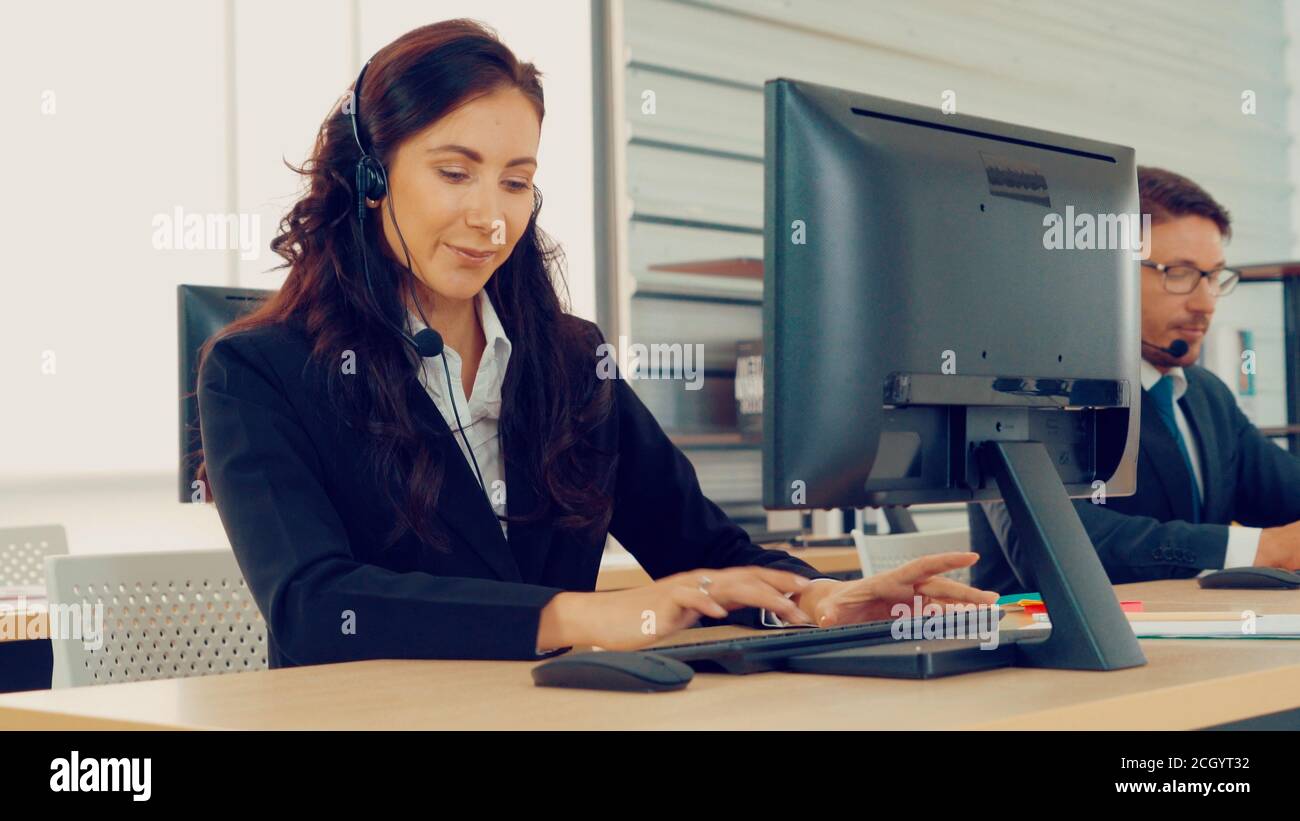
column 705, row 581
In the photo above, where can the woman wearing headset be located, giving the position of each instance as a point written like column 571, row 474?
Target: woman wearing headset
column 409, row 444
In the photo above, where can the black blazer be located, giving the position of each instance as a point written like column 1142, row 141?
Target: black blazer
column 306, row 521
column 1149, row 535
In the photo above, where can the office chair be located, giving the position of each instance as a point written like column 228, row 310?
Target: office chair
column 164, row 615
column 23, row 551
column 880, row 553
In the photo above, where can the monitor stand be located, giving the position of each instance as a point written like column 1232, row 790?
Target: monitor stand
column 1089, row 630
column 899, row 518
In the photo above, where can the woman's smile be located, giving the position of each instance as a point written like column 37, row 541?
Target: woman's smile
column 470, row 256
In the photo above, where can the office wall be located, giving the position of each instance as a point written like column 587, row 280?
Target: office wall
column 1170, row 77
column 1293, row 115
column 112, row 117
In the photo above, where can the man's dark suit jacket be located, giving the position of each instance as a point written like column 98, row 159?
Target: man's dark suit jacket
column 1149, row 535
column 306, row 521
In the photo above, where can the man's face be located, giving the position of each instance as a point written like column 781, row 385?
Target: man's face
column 1187, row 240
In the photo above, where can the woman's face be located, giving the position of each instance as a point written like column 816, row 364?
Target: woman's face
column 462, row 190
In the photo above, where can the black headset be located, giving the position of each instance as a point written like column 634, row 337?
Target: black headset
column 371, row 178
column 372, row 183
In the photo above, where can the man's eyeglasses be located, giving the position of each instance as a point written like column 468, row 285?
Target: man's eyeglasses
column 1183, row 279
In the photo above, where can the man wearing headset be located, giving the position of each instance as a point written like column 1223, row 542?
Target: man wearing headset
column 1212, row 491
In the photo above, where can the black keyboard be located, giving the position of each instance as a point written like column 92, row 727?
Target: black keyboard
column 769, row 651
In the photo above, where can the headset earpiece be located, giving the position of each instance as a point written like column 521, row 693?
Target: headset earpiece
column 371, row 183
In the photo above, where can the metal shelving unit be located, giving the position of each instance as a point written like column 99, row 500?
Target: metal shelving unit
column 1287, row 273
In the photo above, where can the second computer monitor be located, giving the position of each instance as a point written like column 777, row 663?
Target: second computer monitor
column 926, row 291
column 201, row 311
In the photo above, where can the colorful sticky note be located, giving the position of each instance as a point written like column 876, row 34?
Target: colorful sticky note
column 1017, row 598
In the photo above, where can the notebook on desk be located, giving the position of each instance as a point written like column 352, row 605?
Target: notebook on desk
column 13, row 592
column 1209, row 625
column 1250, row 627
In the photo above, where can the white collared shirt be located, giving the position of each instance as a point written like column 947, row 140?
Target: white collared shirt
column 480, row 413
column 1243, row 542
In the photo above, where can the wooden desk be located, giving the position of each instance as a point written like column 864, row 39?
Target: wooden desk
column 26, row 655
column 26, row 623
column 1187, row 684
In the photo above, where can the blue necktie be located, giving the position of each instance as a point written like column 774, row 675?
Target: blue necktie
column 1163, row 394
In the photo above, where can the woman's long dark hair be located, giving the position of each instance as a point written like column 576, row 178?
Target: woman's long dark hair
column 548, row 404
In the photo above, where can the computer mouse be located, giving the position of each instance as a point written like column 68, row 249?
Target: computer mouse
column 1252, row 578
column 604, row 670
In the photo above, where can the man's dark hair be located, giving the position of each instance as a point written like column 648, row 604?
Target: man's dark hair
column 1166, row 195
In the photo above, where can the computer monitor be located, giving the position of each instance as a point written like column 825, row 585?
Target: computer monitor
column 201, row 312
column 928, row 339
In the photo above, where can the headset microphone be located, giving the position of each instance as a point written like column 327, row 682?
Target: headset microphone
column 428, row 343
column 1177, row 349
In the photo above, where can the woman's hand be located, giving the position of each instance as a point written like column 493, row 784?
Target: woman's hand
column 629, row 619
column 872, row 598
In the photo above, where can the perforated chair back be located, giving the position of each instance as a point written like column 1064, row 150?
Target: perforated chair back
column 23, row 551
column 164, row 615
column 886, row 552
